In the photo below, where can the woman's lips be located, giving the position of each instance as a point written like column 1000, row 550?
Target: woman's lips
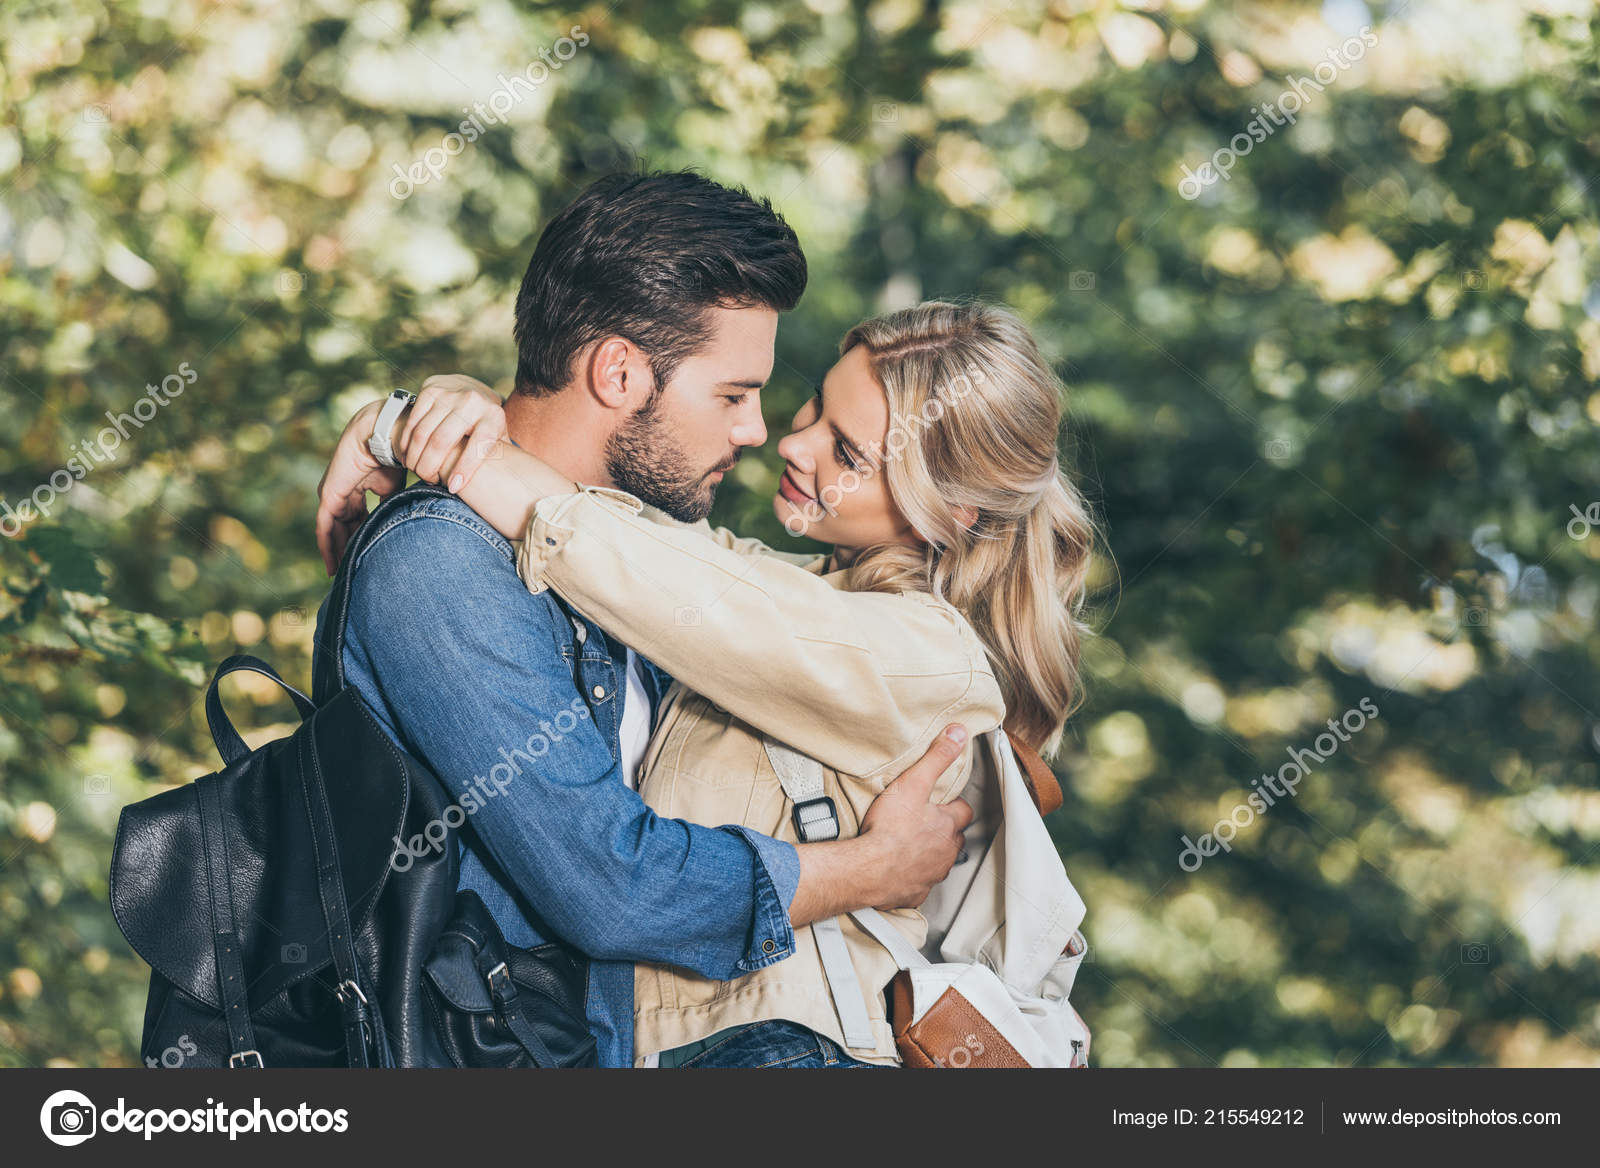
column 791, row 492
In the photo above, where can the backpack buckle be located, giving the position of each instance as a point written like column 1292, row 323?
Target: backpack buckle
column 816, row 820
column 243, row 1057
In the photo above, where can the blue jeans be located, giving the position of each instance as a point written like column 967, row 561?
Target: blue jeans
column 776, row 1044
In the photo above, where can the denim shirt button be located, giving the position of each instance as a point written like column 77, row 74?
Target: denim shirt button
column 768, row 946
column 599, row 691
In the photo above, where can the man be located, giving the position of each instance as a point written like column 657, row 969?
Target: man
column 644, row 328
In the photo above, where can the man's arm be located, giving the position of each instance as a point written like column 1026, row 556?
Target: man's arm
column 906, row 846
column 469, row 666
column 469, row 663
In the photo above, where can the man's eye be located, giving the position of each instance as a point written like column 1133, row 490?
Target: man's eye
column 735, row 398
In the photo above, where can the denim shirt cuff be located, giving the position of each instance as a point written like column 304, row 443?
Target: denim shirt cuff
column 777, row 879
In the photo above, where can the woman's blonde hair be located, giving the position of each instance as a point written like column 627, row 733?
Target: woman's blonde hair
column 974, row 415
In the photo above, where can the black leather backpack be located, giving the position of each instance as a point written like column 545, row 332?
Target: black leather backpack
column 280, row 933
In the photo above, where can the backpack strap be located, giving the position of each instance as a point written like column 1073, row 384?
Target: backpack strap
column 1036, row 776
column 231, row 983
column 363, row 1025
column 509, row 1007
column 877, row 926
column 327, row 666
column 816, row 819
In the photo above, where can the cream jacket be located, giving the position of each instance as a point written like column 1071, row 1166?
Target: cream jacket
column 761, row 642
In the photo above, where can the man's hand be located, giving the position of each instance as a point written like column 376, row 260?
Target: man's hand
column 342, row 494
column 917, row 840
column 907, row 845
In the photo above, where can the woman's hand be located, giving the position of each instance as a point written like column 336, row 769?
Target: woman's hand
column 342, row 494
column 456, row 424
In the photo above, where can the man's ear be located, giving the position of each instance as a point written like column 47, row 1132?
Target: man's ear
column 618, row 375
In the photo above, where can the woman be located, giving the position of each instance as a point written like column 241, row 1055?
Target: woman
column 928, row 459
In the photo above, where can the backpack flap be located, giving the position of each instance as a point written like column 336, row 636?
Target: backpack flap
column 160, row 883
column 1020, row 885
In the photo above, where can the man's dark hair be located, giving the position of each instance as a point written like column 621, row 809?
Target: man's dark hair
column 646, row 256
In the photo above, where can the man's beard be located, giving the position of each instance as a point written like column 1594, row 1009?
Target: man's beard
column 644, row 459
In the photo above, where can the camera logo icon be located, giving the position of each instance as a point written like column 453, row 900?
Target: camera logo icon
column 68, row 1118
column 293, row 953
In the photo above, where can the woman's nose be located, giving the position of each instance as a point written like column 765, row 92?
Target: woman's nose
column 791, row 448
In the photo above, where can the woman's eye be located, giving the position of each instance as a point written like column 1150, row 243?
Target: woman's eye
column 843, row 455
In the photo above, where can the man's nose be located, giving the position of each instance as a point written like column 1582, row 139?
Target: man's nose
column 751, row 431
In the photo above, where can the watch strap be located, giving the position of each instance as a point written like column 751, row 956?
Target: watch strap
column 381, row 444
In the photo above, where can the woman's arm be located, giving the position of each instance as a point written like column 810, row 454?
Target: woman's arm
column 746, row 545
column 820, row 669
column 860, row 681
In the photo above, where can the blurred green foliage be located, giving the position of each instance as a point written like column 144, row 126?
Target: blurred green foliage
column 1336, row 413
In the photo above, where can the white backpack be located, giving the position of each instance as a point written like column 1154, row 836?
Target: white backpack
column 990, row 986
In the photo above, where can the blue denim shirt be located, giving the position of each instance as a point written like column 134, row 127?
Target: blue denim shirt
column 497, row 691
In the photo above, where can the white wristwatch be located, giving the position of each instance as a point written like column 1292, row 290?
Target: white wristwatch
column 382, row 449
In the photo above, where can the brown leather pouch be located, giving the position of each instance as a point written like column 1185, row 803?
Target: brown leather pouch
column 952, row 1034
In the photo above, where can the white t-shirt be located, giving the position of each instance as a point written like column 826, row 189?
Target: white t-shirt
column 635, row 735
column 635, row 729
